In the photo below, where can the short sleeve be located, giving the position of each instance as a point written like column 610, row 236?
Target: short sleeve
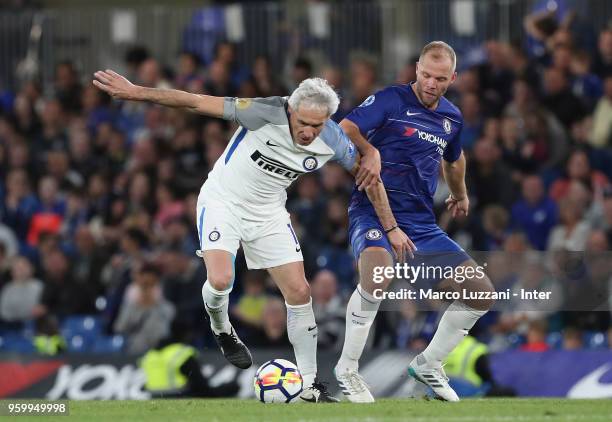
column 345, row 152
column 452, row 152
column 374, row 111
column 254, row 113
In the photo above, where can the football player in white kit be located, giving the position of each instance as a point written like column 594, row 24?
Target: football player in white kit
column 243, row 201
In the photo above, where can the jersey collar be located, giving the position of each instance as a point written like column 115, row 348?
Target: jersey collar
column 288, row 114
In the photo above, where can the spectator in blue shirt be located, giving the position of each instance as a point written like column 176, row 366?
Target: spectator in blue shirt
column 535, row 213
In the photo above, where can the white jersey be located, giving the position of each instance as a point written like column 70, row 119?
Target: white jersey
column 262, row 160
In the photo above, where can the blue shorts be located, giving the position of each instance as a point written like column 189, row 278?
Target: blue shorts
column 434, row 247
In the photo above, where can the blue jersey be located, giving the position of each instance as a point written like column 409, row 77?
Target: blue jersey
column 412, row 141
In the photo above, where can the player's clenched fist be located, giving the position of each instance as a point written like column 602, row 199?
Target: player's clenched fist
column 115, row 85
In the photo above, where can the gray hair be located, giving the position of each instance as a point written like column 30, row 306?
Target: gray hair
column 437, row 47
column 315, row 93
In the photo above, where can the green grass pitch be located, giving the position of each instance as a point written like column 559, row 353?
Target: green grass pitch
column 409, row 410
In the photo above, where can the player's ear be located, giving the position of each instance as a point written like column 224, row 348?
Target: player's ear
column 454, row 77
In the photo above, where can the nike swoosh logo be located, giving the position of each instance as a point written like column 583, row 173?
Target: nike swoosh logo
column 312, row 328
column 271, row 144
column 358, row 316
column 298, row 249
column 312, row 400
column 408, row 113
column 590, row 385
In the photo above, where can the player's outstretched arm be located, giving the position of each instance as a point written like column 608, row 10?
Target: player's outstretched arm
column 454, row 173
column 400, row 242
column 369, row 170
column 121, row 88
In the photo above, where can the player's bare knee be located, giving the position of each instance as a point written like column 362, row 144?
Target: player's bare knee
column 298, row 294
column 221, row 280
column 485, row 286
column 480, row 294
column 372, row 264
column 374, row 257
column 489, row 290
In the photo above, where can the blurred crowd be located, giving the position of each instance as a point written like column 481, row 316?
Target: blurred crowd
column 97, row 197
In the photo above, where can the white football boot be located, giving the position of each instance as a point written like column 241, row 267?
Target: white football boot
column 354, row 386
column 433, row 377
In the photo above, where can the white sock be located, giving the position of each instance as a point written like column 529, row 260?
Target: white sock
column 302, row 332
column 360, row 313
column 216, row 304
column 455, row 324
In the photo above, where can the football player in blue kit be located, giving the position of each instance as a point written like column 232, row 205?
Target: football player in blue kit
column 416, row 130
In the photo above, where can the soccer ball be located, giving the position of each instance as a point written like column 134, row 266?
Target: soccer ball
column 277, row 381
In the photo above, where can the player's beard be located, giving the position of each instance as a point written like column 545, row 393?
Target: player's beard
column 423, row 99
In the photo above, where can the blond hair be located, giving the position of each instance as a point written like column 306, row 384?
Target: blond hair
column 437, row 49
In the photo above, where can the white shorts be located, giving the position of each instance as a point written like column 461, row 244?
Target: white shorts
column 266, row 243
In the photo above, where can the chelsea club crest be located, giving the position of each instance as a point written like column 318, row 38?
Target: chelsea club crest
column 447, row 126
column 373, row 234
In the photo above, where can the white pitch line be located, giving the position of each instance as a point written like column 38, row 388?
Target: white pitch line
column 534, row 418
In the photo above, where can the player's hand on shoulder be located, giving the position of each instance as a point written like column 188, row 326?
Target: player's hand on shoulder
column 115, row 85
column 459, row 206
column 368, row 174
column 401, row 244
